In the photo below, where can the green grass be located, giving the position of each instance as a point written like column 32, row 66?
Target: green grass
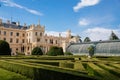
column 7, row 75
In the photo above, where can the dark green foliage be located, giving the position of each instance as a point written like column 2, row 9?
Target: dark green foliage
column 87, row 39
column 54, row 51
column 91, row 50
column 113, row 36
column 42, row 72
column 37, row 51
column 66, row 64
column 68, row 53
column 4, row 48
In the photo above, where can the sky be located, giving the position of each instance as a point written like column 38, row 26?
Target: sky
column 95, row 19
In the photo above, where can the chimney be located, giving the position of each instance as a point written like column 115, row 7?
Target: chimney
column 0, row 21
column 8, row 21
column 18, row 23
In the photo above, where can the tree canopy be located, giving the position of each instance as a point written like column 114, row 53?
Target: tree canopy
column 4, row 48
column 113, row 36
column 54, row 51
column 87, row 39
column 37, row 51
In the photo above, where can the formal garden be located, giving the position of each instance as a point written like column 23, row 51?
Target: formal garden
column 57, row 65
column 59, row 68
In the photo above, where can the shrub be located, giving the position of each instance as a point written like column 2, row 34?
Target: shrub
column 37, row 51
column 4, row 48
column 68, row 53
column 40, row 72
column 54, row 51
column 91, row 50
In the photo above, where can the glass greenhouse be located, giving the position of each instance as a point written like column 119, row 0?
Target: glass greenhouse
column 103, row 48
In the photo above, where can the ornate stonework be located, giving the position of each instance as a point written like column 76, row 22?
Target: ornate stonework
column 23, row 39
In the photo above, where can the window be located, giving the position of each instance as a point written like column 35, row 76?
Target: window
column 38, row 40
column 23, row 41
column 51, row 41
column 46, row 40
column 28, row 48
column 16, row 49
column 40, row 34
column 23, row 35
column 36, row 33
column 4, row 32
column 11, row 33
column 56, row 41
column 17, row 34
column 17, row 40
column 11, row 40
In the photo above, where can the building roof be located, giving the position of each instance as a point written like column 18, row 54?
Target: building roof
column 13, row 25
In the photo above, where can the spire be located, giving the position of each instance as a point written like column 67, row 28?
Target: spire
column 38, row 21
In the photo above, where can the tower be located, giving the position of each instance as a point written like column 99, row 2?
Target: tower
column 69, row 34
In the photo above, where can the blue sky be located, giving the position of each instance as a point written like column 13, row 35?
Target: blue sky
column 93, row 18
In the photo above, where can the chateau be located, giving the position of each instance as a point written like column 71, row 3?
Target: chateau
column 23, row 39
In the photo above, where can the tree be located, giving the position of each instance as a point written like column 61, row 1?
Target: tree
column 37, row 51
column 87, row 39
column 54, row 51
column 113, row 36
column 91, row 50
column 4, row 48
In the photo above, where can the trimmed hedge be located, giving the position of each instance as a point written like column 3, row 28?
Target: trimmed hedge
column 54, row 51
column 43, row 72
column 37, row 51
column 68, row 53
column 114, row 73
column 4, row 48
column 39, row 57
column 53, row 63
column 79, row 66
column 66, row 64
column 8, row 75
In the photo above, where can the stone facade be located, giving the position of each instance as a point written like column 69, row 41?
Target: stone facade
column 23, row 39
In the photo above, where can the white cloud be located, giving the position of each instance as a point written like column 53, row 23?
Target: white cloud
column 83, row 22
column 13, row 4
column 85, row 3
column 98, row 33
column 96, row 20
column 55, row 33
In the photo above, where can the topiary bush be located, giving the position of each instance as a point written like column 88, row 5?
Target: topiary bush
column 37, row 51
column 68, row 53
column 54, row 51
column 4, row 48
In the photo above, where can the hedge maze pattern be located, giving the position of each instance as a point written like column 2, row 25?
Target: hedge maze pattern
column 63, row 67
